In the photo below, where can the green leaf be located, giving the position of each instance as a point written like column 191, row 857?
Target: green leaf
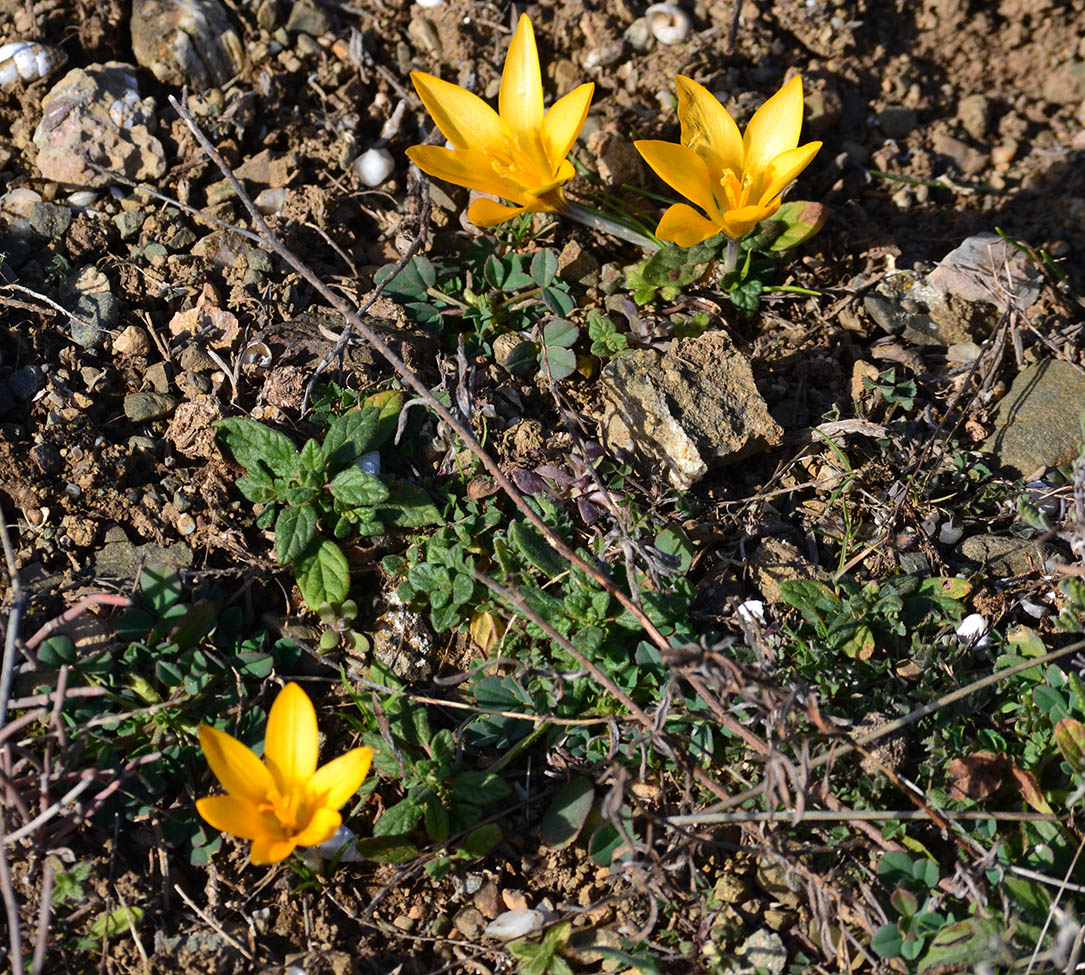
column 560, row 332
column 438, row 825
column 408, row 506
column 350, row 436
column 160, row 588
column 533, row 547
column 417, row 276
column 481, row 841
column 443, row 747
column 964, row 945
column 746, row 296
column 399, row 819
column 389, row 404
column 522, row 358
column 255, row 446
column 558, row 363
column 605, row 844
column 544, row 267
column 800, row 219
column 641, row 962
column 116, row 922
column 57, row 651
column 386, row 849
column 311, row 457
column 558, row 300
column 887, row 941
column 295, row 529
column 567, row 813
column 356, row 488
column 323, row 575
column 259, row 489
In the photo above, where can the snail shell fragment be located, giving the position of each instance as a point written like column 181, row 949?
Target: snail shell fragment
column 669, row 24
column 189, row 42
column 27, row 61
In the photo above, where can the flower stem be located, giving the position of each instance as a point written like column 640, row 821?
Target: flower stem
column 730, row 260
column 598, row 220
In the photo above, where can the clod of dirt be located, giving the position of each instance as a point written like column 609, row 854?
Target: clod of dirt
column 777, row 561
column 96, row 115
column 693, row 407
column 1004, row 556
column 1038, row 423
column 188, row 42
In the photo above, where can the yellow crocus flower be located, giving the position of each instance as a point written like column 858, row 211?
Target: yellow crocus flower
column 286, row 802
column 519, row 154
column 735, row 179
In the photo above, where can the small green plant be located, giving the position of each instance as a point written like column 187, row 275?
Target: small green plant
column 893, row 390
column 915, row 899
column 483, row 294
column 745, row 267
column 331, row 485
column 550, row 350
column 543, row 957
column 444, row 795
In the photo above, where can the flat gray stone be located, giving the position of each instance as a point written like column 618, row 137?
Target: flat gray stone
column 146, row 406
column 1003, row 555
column 896, row 121
column 1038, row 422
column 762, row 953
column 123, row 560
column 691, row 408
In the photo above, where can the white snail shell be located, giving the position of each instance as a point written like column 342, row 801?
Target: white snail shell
column 669, row 23
column 27, row 61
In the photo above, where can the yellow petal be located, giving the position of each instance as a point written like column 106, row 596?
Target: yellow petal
column 682, row 169
column 485, row 212
column 292, row 739
column 238, row 817
column 685, row 226
column 707, row 127
column 265, row 851
column 563, row 122
column 738, row 223
column 520, row 100
column 321, row 827
column 337, row 781
column 463, row 118
column 775, row 127
column 784, row 168
column 241, row 773
column 469, row 167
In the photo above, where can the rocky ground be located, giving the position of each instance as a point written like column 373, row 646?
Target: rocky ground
column 883, row 420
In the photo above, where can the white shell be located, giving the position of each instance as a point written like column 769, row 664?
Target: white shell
column 514, row 924
column 669, row 23
column 270, row 201
column 342, row 839
column 374, row 166
column 81, row 199
column 752, row 611
column 973, row 629
column 27, row 61
column 429, row 3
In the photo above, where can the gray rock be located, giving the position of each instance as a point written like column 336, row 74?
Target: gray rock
column 97, row 313
column 762, row 953
column 128, row 223
column 48, row 459
column 987, row 268
column 306, row 17
column 896, row 121
column 1038, row 422
column 50, row 220
column 470, row 923
column 1004, row 556
column 195, row 359
column 900, row 304
column 144, row 407
column 973, row 111
column 95, row 115
column 694, row 407
column 25, row 382
column 969, row 161
column 123, row 560
column 189, row 42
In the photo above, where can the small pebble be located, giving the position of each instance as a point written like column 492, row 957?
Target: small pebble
column 186, row 524
column 374, row 166
column 132, row 341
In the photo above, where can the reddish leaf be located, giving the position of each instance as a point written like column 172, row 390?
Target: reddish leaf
column 1070, row 737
